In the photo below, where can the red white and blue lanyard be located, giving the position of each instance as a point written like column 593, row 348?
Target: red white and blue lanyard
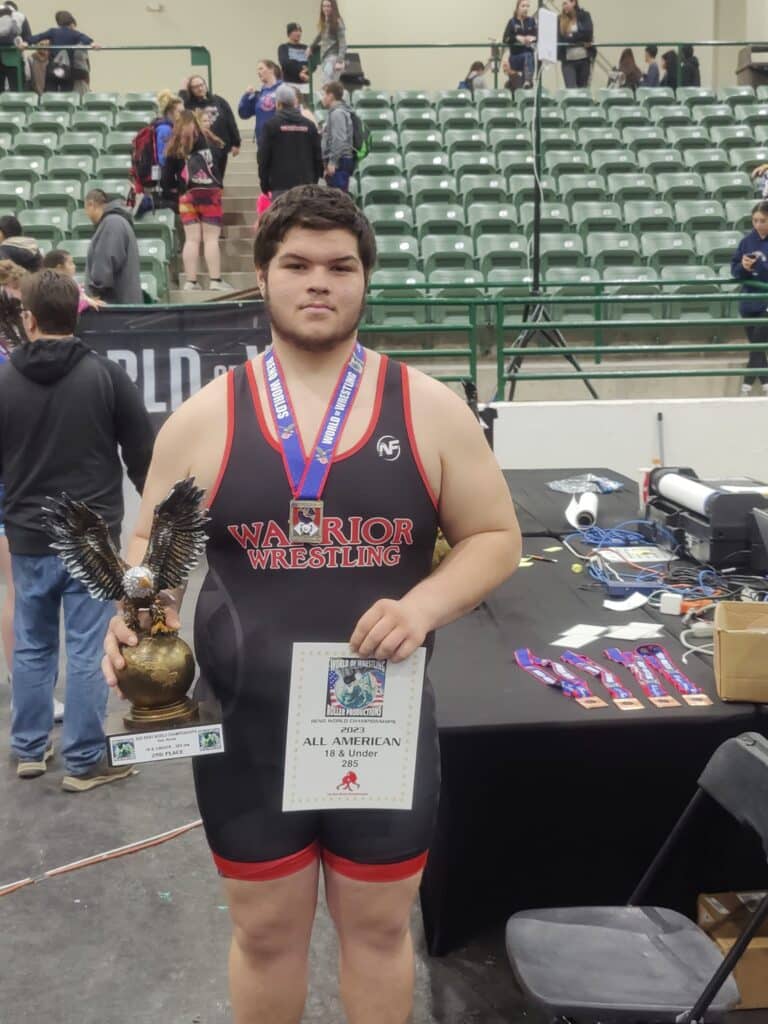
column 623, row 698
column 659, row 660
column 553, row 674
column 307, row 475
column 644, row 675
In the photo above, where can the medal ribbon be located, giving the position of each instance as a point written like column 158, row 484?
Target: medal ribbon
column 660, row 661
column 307, row 475
column 640, row 669
column 550, row 673
column 609, row 679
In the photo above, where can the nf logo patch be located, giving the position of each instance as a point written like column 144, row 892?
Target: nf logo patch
column 388, row 447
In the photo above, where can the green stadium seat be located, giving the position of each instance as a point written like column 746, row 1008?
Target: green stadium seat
column 19, row 101
column 458, row 285
column 753, row 114
column 714, row 114
column 414, row 120
column 646, row 137
column 569, row 282
column 12, row 121
column 374, row 120
column 465, row 139
column 585, row 117
column 622, row 187
column 421, row 140
column 504, row 283
column 613, row 248
column 557, row 138
column 613, row 161
column 433, row 188
column 110, row 186
column 549, row 118
column 451, row 118
column 706, row 161
column 158, row 224
column 688, row 309
column 384, row 190
column 567, row 98
column 513, row 163
column 411, row 99
column 762, row 93
column 78, row 250
column 596, row 216
column 622, row 117
column 371, row 99
column 660, row 95
column 48, row 121
column 384, row 142
column 680, row 185
column 66, row 101
column 453, row 99
column 575, row 188
column 609, row 98
column 379, row 165
column 526, row 100
column 665, row 117
column 15, row 193
column 138, row 101
column 734, row 94
column 492, row 99
column 685, row 137
column 693, row 215
column 483, row 188
column 695, row 96
column 403, row 285
column 561, row 251
column 67, row 194
column 732, row 185
column 566, row 161
column 660, row 161
column 717, row 247
column 80, row 225
column 521, row 188
column 738, row 213
column 117, row 166
column 501, row 252
column 149, row 288
column 631, row 282
column 743, row 158
column 440, row 219
column 449, row 252
column 389, row 219
column 729, row 136
column 22, row 168
column 495, row 118
column 45, row 225
column 109, row 101
column 472, row 162
column 100, row 121
column 591, row 139
column 641, row 215
column 492, row 218
column 78, row 168
column 554, row 217
column 510, row 140
column 42, row 144
column 667, row 248
column 6, row 142
column 89, row 143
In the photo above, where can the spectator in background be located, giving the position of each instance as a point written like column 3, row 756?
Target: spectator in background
column 690, row 72
column 59, row 73
column 750, row 266
column 16, row 246
column 292, row 58
column 520, row 36
column 575, row 38
column 476, row 77
column 112, row 262
column 11, row 34
column 337, row 138
column 70, row 413
column 652, row 75
column 670, row 79
column 631, row 75
column 332, row 39
column 216, row 112
column 61, row 260
column 289, row 152
column 260, row 103
column 194, row 160
column 308, row 112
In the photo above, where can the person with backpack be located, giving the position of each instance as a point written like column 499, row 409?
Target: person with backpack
column 148, row 156
column 289, row 153
column 338, row 138
column 59, row 77
column 260, row 103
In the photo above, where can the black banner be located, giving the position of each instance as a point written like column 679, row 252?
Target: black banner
column 172, row 352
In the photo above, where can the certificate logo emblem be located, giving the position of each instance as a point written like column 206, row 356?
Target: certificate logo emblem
column 349, row 783
column 355, row 688
column 388, row 448
column 123, row 751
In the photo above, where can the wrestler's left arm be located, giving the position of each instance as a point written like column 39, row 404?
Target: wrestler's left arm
column 476, row 514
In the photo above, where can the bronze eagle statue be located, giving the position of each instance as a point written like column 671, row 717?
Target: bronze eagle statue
column 176, row 542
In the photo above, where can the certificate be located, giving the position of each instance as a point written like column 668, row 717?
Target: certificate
column 353, row 729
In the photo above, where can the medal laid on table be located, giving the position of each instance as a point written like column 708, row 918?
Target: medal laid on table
column 307, row 475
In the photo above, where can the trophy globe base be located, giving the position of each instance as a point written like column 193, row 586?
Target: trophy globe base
column 171, row 716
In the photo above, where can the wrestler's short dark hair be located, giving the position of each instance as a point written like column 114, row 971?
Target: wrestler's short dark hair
column 315, row 208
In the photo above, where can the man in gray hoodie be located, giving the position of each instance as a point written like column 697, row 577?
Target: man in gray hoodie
column 112, row 263
column 337, row 139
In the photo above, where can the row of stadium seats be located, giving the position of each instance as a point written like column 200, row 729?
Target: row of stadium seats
column 46, row 144
column 73, row 167
column 58, row 121
column 108, row 101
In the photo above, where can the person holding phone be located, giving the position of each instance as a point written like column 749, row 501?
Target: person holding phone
column 750, row 265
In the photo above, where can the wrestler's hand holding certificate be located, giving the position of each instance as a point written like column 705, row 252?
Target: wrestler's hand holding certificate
column 353, row 729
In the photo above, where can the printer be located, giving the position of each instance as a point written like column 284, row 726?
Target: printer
column 711, row 520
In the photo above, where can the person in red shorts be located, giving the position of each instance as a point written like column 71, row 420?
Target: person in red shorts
column 194, row 167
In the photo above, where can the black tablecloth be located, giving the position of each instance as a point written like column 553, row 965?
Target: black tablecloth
column 544, row 803
column 541, row 510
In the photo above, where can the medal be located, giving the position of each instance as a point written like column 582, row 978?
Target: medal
column 307, row 475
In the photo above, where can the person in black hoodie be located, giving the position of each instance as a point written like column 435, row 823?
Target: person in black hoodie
column 575, row 36
column 750, row 266
column 64, row 413
column 290, row 152
column 216, row 114
column 669, row 65
column 690, row 72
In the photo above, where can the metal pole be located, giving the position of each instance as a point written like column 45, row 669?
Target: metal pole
column 536, row 289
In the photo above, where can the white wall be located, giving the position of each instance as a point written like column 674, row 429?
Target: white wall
column 719, row 436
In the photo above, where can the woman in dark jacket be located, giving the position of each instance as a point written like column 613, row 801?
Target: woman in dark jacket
column 631, row 75
column 520, row 36
column 690, row 72
column 671, row 76
column 575, row 36
column 750, row 265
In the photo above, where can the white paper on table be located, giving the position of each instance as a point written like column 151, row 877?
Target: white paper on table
column 353, row 729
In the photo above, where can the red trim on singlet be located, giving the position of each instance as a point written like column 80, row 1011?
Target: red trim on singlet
column 375, row 872
column 267, row 870
column 230, row 436
column 412, row 436
column 259, row 411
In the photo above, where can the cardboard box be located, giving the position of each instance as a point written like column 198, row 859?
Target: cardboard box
column 741, row 651
column 723, row 916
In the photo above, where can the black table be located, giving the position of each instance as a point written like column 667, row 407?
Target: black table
column 541, row 510
column 544, row 803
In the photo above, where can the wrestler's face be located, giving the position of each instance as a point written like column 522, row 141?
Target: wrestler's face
column 314, row 288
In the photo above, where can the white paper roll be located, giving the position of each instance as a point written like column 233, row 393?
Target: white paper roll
column 582, row 511
column 689, row 493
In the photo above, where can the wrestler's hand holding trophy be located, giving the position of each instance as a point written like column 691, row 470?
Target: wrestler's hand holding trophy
column 163, row 722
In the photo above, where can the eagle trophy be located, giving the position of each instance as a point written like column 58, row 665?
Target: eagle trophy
column 176, row 542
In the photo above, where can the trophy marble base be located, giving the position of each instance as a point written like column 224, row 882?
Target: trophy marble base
column 196, row 737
